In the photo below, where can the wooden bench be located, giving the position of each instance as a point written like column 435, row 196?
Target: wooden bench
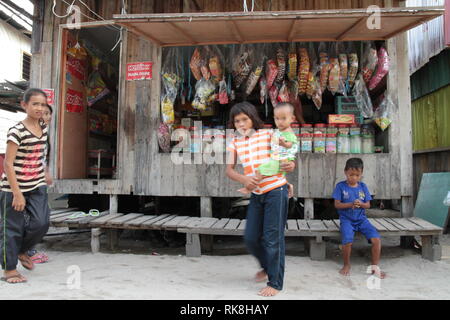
column 111, row 223
column 316, row 231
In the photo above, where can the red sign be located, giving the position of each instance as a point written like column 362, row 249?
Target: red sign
column 447, row 23
column 76, row 67
column 50, row 96
column 74, row 101
column 139, row 71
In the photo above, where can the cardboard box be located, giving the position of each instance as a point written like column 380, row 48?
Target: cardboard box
column 341, row 119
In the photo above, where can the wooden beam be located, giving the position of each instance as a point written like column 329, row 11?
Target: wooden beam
column 408, row 27
column 14, row 6
column 184, row 33
column 292, row 30
column 356, row 24
column 236, row 31
column 143, row 35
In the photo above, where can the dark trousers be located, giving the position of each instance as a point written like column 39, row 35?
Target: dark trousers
column 22, row 230
column 264, row 232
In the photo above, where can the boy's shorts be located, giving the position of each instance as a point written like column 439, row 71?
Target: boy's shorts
column 348, row 229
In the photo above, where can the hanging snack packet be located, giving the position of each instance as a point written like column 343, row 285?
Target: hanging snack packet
column 262, row 89
column 215, row 68
column 204, row 95
column 370, row 62
column 304, row 70
column 273, row 94
column 281, row 61
column 382, row 114
column 223, row 96
column 353, row 70
column 292, row 63
column 283, row 94
column 324, row 66
column 271, row 72
column 335, row 76
column 317, row 93
column 382, row 69
column 242, row 66
column 195, row 64
column 362, row 97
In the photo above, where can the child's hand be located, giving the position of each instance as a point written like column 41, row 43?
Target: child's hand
column 18, row 203
column 251, row 183
column 357, row 203
column 48, row 179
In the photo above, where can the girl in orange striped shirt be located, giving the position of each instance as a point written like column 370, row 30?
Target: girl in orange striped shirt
column 267, row 211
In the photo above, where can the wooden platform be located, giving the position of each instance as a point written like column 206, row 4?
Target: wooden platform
column 316, row 230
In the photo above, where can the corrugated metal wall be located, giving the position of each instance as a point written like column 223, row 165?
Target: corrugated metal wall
column 431, row 120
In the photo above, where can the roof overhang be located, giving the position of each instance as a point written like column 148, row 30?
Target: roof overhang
column 187, row 29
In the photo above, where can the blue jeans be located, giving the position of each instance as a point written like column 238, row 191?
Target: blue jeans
column 264, row 232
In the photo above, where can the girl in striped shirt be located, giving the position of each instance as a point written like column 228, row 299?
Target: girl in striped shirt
column 268, row 208
column 23, row 200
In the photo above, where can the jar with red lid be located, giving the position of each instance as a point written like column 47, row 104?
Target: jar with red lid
column 306, row 129
column 320, row 128
column 319, row 143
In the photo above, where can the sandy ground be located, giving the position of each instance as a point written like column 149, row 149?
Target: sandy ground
column 134, row 271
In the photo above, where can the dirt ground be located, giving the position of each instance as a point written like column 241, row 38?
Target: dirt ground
column 154, row 266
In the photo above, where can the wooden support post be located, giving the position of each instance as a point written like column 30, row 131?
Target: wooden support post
column 317, row 249
column 407, row 210
column 95, row 239
column 309, row 209
column 193, row 248
column 431, row 249
column 206, row 211
column 113, row 234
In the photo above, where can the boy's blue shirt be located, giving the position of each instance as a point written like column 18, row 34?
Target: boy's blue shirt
column 346, row 194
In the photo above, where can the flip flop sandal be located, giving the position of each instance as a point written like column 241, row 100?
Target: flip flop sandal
column 81, row 214
column 18, row 276
column 39, row 258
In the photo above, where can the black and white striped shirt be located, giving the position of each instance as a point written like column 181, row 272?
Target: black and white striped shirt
column 29, row 163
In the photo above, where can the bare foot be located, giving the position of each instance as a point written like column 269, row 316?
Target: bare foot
column 268, row 292
column 261, row 276
column 26, row 261
column 13, row 276
column 244, row 191
column 378, row 273
column 345, row 271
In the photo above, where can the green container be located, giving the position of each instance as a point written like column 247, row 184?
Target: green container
column 347, row 105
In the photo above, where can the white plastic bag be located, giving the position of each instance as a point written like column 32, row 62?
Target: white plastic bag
column 447, row 200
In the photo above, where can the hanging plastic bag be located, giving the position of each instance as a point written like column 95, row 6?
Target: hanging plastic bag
column 254, row 76
column 343, row 64
column 195, row 64
column 324, row 65
column 170, row 82
column 262, row 89
column 164, row 137
column 362, row 97
column 292, row 62
column 242, row 65
column 370, row 61
column 382, row 115
column 293, row 91
column 303, row 70
column 281, row 63
column 271, row 73
column 204, row 94
column 447, row 200
column 283, row 94
column 273, row 94
column 353, row 65
column 335, row 76
column 382, row 68
column 223, row 95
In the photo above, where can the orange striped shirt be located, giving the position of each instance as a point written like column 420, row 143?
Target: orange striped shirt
column 252, row 152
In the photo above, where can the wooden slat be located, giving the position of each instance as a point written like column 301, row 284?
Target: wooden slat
column 121, row 220
column 160, row 222
column 220, row 224
column 155, row 219
column 425, row 224
column 316, row 225
column 56, row 211
column 242, row 225
column 302, row 225
column 387, row 225
column 337, row 222
column 103, row 220
column 408, row 224
column 186, row 222
column 330, row 226
column 377, row 225
column 232, row 224
column 395, row 224
column 140, row 220
column 74, row 222
column 208, row 222
column 61, row 217
column 292, row 225
column 86, row 220
column 174, row 222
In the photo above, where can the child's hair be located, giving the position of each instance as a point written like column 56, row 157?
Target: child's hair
column 248, row 109
column 33, row 92
column 50, row 108
column 285, row 105
column 354, row 163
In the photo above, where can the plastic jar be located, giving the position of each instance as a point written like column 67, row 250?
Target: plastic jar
column 331, row 143
column 306, row 128
column 368, row 143
column 306, row 143
column 319, row 143
column 367, row 129
column 355, row 130
column 332, row 129
column 344, row 129
column 355, row 143
column 320, row 128
column 296, row 128
column 343, row 143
